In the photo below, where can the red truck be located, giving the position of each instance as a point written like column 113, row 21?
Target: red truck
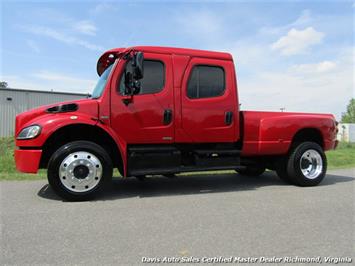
column 160, row 110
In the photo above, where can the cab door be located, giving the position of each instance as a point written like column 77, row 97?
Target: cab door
column 208, row 101
column 149, row 117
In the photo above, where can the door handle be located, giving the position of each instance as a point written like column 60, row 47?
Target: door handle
column 168, row 115
column 228, row 119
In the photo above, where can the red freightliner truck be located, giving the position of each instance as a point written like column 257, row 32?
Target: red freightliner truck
column 160, row 110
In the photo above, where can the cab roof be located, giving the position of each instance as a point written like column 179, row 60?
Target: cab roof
column 103, row 61
column 178, row 51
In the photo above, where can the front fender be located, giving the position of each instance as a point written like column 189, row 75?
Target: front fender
column 50, row 123
column 120, row 142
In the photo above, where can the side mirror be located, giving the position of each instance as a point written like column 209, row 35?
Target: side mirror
column 132, row 86
column 138, row 68
column 136, row 87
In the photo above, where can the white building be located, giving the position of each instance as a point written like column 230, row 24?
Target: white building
column 346, row 132
column 15, row 101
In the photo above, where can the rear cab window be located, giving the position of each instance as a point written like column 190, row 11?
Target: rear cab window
column 206, row 81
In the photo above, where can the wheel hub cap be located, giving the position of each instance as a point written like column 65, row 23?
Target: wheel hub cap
column 311, row 164
column 80, row 171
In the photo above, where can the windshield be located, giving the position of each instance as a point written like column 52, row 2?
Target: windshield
column 101, row 83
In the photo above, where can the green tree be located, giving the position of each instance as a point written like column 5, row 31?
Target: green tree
column 3, row 84
column 349, row 115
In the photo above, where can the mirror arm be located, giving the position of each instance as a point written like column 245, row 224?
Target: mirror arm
column 127, row 99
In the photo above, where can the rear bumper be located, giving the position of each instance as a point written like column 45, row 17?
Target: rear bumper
column 27, row 161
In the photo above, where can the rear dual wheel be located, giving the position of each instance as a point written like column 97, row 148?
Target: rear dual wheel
column 306, row 165
column 79, row 170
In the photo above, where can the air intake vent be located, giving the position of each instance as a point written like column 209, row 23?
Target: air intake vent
column 71, row 107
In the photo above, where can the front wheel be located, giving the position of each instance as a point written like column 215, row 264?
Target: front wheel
column 79, row 170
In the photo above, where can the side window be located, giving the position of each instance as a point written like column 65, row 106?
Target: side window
column 153, row 80
column 205, row 82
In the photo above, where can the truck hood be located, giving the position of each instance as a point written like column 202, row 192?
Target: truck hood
column 87, row 107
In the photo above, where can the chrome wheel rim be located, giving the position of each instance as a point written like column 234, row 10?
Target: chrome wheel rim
column 311, row 164
column 80, row 171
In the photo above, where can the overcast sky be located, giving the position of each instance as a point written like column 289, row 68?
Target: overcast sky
column 296, row 55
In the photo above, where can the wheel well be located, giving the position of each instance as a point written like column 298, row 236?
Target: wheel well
column 81, row 132
column 308, row 134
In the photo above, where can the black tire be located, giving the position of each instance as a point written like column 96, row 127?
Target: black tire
column 251, row 171
column 307, row 154
column 281, row 170
column 67, row 150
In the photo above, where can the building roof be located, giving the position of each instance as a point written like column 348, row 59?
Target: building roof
column 39, row 91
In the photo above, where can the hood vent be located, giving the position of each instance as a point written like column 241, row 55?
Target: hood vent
column 70, row 107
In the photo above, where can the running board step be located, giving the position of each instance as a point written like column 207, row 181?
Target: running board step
column 218, row 152
column 216, row 157
column 181, row 169
column 153, row 157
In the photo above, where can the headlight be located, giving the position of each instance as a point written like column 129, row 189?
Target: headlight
column 29, row 132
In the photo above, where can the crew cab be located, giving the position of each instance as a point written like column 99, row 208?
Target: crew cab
column 162, row 111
